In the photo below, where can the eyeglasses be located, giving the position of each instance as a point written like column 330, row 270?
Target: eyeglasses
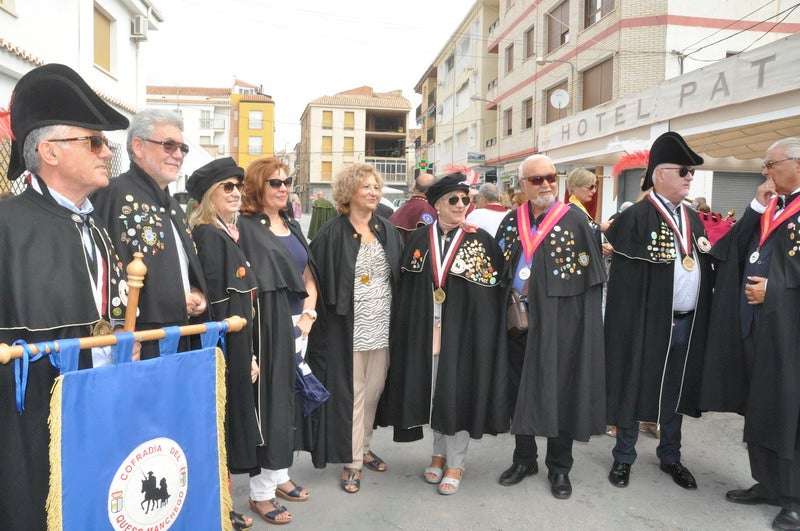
column 229, row 186
column 96, row 142
column 276, row 183
column 169, row 145
column 539, row 179
column 769, row 164
column 683, row 171
column 454, row 199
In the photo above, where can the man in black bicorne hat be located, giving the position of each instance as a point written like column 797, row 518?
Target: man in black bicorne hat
column 60, row 275
column 657, row 312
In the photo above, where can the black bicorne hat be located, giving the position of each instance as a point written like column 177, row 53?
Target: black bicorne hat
column 669, row 148
column 55, row 94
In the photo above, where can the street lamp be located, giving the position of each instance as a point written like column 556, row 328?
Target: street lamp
column 541, row 61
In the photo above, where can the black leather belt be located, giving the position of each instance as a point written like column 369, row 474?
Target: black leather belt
column 681, row 315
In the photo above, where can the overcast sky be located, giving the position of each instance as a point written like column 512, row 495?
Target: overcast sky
column 300, row 50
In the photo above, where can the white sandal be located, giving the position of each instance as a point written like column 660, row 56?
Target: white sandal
column 452, row 482
column 437, row 473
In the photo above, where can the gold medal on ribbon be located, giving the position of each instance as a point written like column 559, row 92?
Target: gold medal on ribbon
column 102, row 328
column 439, row 296
column 364, row 279
column 688, row 263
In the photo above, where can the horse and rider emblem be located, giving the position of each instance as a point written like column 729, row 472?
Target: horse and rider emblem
column 149, row 488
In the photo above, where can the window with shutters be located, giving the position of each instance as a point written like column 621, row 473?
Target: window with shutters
column 509, row 58
column 349, row 120
column 527, row 113
column 327, row 119
column 507, row 117
column 529, row 39
column 557, row 26
column 598, row 84
column 327, row 171
column 102, row 39
column 327, row 145
column 594, row 10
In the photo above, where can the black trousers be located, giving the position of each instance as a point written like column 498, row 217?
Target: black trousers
column 559, row 449
column 778, row 478
column 669, row 445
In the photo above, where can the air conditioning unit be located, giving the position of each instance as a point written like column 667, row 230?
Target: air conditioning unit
column 139, row 28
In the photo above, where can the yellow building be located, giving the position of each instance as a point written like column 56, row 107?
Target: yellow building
column 252, row 124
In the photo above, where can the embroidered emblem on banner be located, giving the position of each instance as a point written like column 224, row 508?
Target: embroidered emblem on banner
column 149, row 489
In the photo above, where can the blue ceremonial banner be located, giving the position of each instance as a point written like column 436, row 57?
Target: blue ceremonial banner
column 140, row 446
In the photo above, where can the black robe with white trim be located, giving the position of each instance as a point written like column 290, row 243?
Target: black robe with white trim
column 638, row 320
column 47, row 294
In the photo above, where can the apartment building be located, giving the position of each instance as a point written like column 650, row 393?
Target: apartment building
column 252, row 123
column 564, row 66
column 462, row 123
column 106, row 41
column 357, row 125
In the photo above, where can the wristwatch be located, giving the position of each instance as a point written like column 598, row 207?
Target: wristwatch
column 311, row 313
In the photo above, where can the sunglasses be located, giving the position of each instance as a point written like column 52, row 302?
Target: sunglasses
column 683, row 171
column 276, row 183
column 591, row 187
column 539, row 179
column 96, row 142
column 453, row 200
column 228, row 187
column 169, row 145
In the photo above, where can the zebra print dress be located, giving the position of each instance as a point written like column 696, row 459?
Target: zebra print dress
column 372, row 298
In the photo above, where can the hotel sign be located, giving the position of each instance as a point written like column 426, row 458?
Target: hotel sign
column 769, row 70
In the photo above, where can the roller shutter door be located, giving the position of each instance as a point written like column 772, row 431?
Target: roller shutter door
column 628, row 188
column 733, row 191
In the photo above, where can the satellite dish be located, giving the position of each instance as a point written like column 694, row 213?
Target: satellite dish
column 559, row 98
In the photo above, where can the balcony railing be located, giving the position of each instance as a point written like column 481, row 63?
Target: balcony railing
column 209, row 123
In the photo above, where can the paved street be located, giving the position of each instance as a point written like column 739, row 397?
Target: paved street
column 400, row 498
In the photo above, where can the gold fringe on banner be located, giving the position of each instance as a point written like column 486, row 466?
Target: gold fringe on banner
column 53, row 505
column 225, row 499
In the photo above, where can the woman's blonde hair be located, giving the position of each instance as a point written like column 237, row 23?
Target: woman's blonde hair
column 347, row 182
column 580, row 177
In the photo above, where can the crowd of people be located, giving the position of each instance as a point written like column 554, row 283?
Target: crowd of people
column 472, row 316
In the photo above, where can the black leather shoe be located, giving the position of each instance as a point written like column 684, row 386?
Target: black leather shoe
column 620, row 474
column 751, row 496
column 787, row 519
column 560, row 486
column 516, row 473
column 680, row 475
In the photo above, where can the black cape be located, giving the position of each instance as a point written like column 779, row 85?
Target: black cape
column 330, row 349
column 138, row 214
column 772, row 406
column 638, row 320
column 47, row 294
column 562, row 383
column 472, row 379
column 283, row 428
column 231, row 284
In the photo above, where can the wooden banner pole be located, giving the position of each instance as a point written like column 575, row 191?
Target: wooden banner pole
column 235, row 323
